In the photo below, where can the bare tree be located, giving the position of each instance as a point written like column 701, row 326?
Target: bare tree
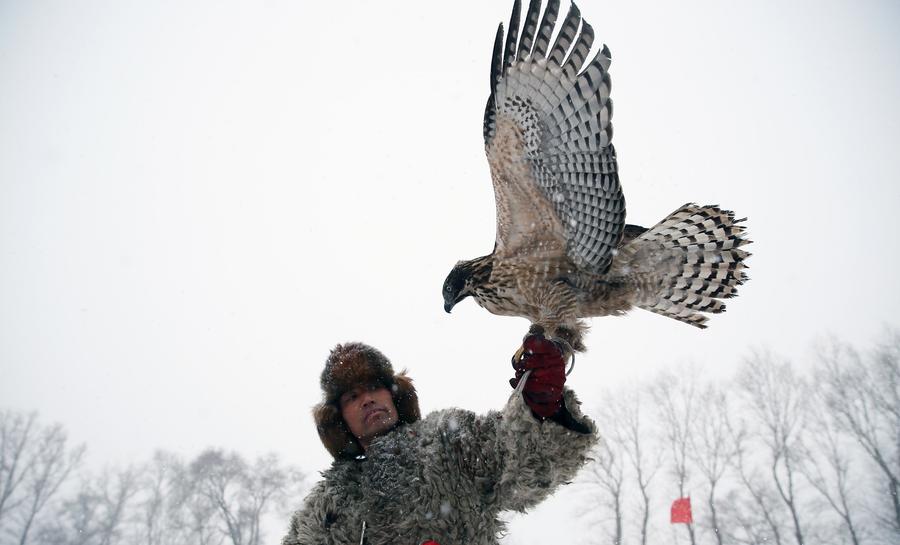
column 116, row 490
column 16, row 430
column 641, row 451
column 169, row 509
column 607, row 470
column 52, row 464
column 76, row 523
column 712, row 451
column 97, row 514
column 152, row 505
column 864, row 399
column 195, row 515
column 886, row 399
column 267, row 483
column 759, row 515
column 675, row 395
column 776, row 397
column 790, row 466
column 239, row 493
column 219, row 478
column 831, row 457
column 157, row 514
column 218, row 496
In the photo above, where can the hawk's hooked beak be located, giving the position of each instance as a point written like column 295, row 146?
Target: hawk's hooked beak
column 448, row 305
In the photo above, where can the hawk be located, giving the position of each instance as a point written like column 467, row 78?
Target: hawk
column 563, row 250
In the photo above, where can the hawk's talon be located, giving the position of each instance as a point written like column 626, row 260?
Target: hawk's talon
column 518, row 356
column 566, row 350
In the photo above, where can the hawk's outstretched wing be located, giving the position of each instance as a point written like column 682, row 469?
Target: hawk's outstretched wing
column 547, row 135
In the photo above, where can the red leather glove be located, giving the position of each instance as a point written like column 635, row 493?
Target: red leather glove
column 543, row 389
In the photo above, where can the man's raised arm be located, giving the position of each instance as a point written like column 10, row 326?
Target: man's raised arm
column 539, row 440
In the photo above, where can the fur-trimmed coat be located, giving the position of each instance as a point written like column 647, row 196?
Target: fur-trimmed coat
column 445, row 478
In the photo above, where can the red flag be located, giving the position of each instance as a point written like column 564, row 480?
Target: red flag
column 681, row 511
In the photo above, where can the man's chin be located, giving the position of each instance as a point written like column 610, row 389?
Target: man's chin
column 380, row 424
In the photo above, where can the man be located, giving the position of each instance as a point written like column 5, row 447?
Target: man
column 403, row 480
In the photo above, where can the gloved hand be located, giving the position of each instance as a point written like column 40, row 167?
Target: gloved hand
column 543, row 389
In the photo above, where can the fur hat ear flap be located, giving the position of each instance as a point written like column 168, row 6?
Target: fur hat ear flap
column 334, row 433
column 405, row 399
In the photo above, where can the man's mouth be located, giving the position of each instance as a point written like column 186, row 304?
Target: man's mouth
column 376, row 413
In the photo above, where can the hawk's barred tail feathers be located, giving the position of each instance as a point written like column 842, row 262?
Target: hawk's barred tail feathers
column 707, row 240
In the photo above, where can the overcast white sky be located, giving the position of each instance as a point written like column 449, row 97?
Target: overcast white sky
column 199, row 199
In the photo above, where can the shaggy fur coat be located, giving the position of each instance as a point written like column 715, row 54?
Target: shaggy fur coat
column 444, row 478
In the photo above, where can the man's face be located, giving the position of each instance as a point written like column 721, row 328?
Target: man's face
column 368, row 411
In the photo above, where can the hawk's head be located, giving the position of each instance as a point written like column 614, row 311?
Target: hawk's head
column 464, row 278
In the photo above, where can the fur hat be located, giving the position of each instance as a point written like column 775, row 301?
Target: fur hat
column 350, row 365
